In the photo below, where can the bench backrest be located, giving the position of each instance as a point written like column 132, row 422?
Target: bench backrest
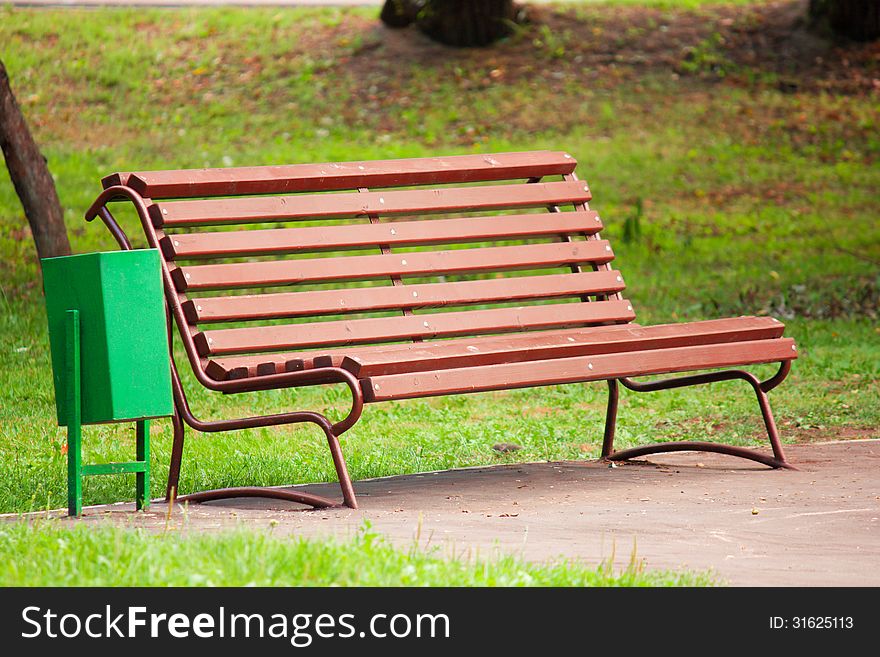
column 306, row 257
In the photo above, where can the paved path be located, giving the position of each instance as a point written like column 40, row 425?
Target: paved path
column 752, row 526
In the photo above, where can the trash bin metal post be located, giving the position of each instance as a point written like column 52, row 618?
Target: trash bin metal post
column 74, row 426
column 142, row 497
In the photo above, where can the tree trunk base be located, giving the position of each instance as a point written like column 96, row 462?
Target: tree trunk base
column 854, row 19
column 460, row 23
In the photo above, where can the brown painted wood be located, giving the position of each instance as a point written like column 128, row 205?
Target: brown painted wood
column 170, row 214
column 227, row 244
column 577, row 369
column 413, row 296
column 188, row 183
column 581, row 342
column 288, row 272
column 375, row 360
column 381, row 359
column 389, row 329
column 220, row 367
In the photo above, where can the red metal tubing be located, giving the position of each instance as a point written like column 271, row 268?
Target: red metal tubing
column 315, row 501
column 711, row 377
column 700, row 446
column 690, row 380
column 776, row 379
column 610, row 418
column 240, row 423
column 760, row 387
column 184, row 413
column 117, row 232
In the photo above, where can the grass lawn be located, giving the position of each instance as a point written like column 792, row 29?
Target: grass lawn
column 129, row 557
column 733, row 158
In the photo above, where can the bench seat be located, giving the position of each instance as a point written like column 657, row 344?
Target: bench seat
column 574, row 369
column 482, row 351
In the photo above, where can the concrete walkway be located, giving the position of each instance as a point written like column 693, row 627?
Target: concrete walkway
column 750, row 525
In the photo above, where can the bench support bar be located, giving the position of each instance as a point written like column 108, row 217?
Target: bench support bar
column 761, row 389
column 183, row 413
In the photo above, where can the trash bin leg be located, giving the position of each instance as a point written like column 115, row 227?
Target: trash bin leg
column 74, row 426
column 143, row 456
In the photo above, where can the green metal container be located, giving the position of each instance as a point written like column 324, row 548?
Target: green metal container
column 125, row 372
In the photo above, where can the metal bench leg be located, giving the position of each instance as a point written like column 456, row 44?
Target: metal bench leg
column 300, row 497
column 183, row 413
column 610, row 418
column 341, row 470
column 761, row 389
column 176, row 456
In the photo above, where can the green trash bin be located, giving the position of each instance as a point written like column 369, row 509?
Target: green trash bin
column 110, row 360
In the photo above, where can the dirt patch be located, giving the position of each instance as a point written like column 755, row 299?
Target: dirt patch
column 660, row 57
column 792, row 432
column 816, row 435
column 565, row 61
column 605, row 43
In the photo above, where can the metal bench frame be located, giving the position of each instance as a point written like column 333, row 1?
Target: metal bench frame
column 117, row 188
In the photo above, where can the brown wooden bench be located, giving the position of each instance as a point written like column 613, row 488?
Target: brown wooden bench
column 411, row 278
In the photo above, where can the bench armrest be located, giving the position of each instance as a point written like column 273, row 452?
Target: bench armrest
column 303, row 378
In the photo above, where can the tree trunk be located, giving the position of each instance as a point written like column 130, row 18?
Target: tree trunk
column 453, row 22
column 855, row 19
column 399, row 13
column 30, row 176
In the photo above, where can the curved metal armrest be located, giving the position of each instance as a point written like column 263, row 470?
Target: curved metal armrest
column 98, row 208
column 114, row 193
column 318, row 376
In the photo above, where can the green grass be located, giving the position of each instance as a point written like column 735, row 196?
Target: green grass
column 108, row 556
column 755, row 182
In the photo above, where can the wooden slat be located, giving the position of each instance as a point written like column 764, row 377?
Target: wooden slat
column 209, row 212
column 288, row 272
column 423, row 295
column 382, row 359
column 576, row 369
column 580, row 342
column 228, row 244
column 389, row 329
column 219, row 368
column 188, row 183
